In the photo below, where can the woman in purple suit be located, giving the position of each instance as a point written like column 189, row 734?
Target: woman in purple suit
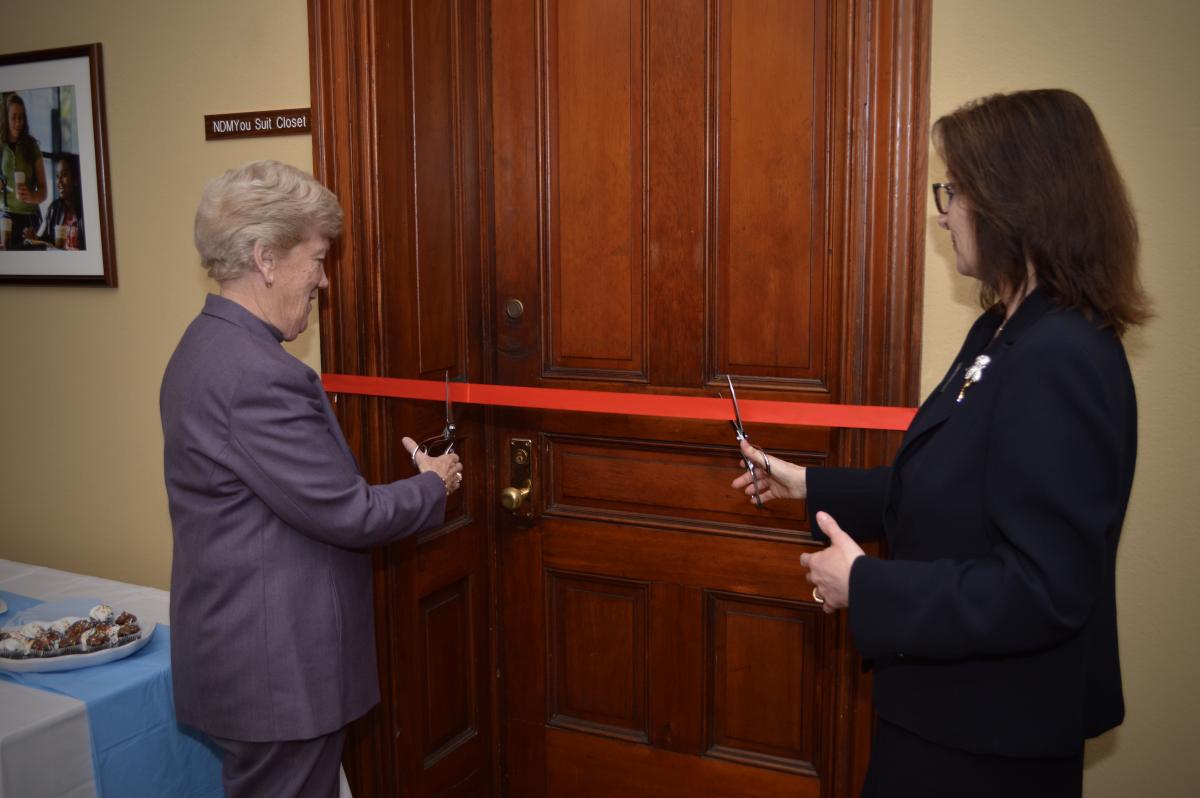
column 272, row 641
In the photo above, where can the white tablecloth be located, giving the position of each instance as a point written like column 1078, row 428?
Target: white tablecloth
column 45, row 742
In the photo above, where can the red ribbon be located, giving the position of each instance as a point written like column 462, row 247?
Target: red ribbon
column 803, row 414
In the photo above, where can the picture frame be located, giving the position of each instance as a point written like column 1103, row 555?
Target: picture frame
column 55, row 228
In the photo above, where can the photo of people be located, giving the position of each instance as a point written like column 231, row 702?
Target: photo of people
column 41, row 202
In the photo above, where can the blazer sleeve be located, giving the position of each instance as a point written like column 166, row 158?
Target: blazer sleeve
column 1056, row 471
column 853, row 496
column 283, row 448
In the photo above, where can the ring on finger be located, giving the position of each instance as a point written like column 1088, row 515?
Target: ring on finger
column 817, row 597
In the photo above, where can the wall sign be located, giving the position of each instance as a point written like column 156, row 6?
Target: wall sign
column 251, row 124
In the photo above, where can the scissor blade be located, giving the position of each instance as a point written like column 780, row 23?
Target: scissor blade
column 741, row 429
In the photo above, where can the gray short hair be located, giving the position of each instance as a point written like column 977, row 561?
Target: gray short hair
column 266, row 201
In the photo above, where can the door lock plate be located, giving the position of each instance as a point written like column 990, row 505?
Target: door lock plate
column 516, row 499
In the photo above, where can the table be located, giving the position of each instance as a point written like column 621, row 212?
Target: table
column 46, row 738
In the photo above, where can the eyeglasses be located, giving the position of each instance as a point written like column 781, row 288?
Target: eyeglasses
column 439, row 445
column 943, row 195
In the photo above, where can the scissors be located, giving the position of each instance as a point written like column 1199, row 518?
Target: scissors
column 740, row 431
column 439, row 445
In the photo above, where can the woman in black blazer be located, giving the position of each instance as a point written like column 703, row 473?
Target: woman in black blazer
column 991, row 627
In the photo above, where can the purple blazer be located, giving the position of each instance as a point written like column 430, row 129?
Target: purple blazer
column 272, row 633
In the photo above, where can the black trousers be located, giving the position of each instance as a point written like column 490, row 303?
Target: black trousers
column 903, row 764
column 288, row 769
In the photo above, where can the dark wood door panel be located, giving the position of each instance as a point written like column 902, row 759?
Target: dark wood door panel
column 661, row 184
column 595, row 270
column 581, row 767
column 771, row 83
column 740, row 665
column 761, row 567
column 766, row 681
column 397, row 135
column 450, row 689
column 428, row 243
column 654, row 482
column 659, row 471
column 675, row 190
column 597, row 670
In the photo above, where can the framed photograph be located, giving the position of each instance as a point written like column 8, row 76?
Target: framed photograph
column 55, row 210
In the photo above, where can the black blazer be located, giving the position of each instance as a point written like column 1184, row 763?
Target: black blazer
column 992, row 627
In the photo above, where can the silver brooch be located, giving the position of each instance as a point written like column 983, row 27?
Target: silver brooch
column 973, row 375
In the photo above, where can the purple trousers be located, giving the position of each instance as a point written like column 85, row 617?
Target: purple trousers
column 287, row 769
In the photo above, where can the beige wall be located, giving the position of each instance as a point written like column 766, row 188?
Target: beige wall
column 1137, row 64
column 80, row 476
column 81, row 449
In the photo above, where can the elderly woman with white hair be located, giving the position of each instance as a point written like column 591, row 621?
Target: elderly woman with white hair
column 272, row 641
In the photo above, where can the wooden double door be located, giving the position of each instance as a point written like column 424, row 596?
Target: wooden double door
column 635, row 196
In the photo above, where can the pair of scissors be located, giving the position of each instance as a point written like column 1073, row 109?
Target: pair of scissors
column 439, row 445
column 740, row 431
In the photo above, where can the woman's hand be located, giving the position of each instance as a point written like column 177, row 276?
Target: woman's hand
column 448, row 466
column 829, row 569
column 783, row 481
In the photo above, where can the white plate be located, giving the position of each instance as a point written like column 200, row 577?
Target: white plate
column 70, row 662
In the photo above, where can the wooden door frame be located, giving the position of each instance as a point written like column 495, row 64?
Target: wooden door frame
column 344, row 58
column 879, row 210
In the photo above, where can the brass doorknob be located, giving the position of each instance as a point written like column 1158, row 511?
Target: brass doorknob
column 512, row 498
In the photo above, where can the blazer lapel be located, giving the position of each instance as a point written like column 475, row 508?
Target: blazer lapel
column 938, row 407
column 940, row 404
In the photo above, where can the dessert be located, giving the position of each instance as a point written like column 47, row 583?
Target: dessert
column 102, row 613
column 14, row 647
column 72, row 638
column 32, row 630
column 42, row 646
column 79, row 627
column 97, row 638
column 103, row 628
column 62, row 624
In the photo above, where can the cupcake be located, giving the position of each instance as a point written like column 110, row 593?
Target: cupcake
column 102, row 613
column 96, row 638
column 72, row 641
column 32, row 630
column 14, row 647
column 41, row 646
column 79, row 627
column 62, row 625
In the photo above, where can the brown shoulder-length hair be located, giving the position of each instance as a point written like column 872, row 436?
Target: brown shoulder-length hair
column 9, row 101
column 1043, row 189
